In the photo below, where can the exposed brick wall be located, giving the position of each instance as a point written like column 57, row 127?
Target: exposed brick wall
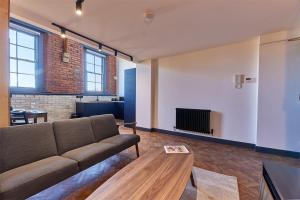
column 68, row 78
column 111, row 84
column 62, row 77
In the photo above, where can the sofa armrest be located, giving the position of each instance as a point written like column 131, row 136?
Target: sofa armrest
column 130, row 124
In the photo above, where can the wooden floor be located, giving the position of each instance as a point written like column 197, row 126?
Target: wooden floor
column 243, row 163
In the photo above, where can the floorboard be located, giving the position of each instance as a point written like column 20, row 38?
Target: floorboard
column 243, row 163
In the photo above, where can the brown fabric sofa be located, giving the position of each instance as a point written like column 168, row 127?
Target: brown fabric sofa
column 34, row 157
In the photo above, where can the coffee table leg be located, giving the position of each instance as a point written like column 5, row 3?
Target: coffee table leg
column 193, row 180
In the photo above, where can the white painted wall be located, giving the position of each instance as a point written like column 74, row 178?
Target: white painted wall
column 143, row 94
column 279, row 89
column 122, row 65
column 204, row 80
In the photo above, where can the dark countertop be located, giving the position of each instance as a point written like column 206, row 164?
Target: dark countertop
column 99, row 102
column 91, row 108
column 283, row 180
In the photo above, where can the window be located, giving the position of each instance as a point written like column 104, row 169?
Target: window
column 23, row 57
column 94, row 68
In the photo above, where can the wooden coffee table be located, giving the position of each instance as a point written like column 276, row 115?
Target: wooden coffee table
column 154, row 175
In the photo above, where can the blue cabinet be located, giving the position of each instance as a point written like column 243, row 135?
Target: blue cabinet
column 86, row 109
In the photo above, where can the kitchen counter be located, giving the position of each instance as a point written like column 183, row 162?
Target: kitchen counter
column 86, row 109
column 100, row 102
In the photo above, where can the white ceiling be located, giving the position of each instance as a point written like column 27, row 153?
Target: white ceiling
column 178, row 26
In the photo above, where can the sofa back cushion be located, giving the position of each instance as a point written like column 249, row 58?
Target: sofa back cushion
column 20, row 145
column 104, row 126
column 73, row 133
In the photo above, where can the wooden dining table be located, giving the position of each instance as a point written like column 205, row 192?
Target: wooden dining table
column 153, row 176
column 35, row 114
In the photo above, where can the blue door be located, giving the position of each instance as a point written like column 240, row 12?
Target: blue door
column 130, row 95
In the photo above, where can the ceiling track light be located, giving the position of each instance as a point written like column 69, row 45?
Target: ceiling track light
column 116, row 53
column 63, row 33
column 100, row 47
column 79, row 7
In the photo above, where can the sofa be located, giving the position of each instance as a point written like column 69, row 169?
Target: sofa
column 35, row 157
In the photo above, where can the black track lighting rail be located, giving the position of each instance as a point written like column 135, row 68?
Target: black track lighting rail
column 100, row 44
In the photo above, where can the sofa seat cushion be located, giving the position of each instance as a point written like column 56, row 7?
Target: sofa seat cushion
column 122, row 142
column 27, row 180
column 91, row 154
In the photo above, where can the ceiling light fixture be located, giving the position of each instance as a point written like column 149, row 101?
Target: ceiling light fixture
column 99, row 47
column 63, row 33
column 148, row 16
column 79, row 7
column 116, row 53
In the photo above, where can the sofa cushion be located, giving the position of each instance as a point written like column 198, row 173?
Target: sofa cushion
column 91, row 154
column 20, row 145
column 73, row 133
column 122, row 142
column 104, row 126
column 24, row 181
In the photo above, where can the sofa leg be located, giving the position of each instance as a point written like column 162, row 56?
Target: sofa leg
column 137, row 150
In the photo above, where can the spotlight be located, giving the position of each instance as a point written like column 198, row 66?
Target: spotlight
column 99, row 47
column 116, row 53
column 62, row 33
column 79, row 7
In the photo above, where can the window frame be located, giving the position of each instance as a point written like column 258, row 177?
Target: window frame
column 104, row 71
column 38, row 48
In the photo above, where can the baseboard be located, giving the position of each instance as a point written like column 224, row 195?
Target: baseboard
column 144, row 129
column 208, row 139
column 279, row 152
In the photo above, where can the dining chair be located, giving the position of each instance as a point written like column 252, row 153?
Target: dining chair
column 18, row 118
